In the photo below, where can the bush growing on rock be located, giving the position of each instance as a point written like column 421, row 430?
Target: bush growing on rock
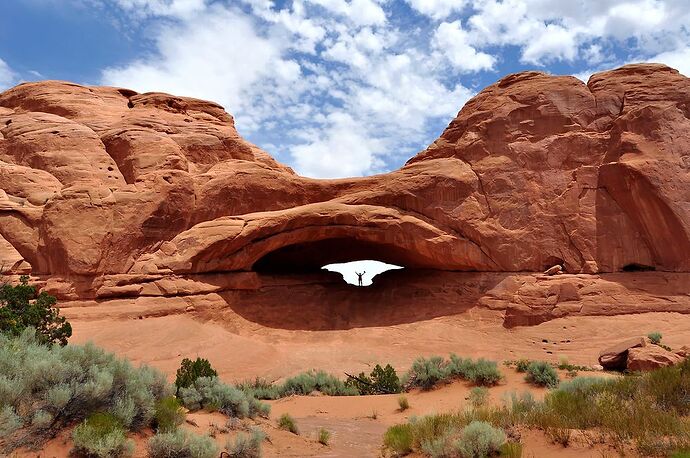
column 654, row 337
column 44, row 388
column 21, row 307
column 181, row 444
column 541, row 373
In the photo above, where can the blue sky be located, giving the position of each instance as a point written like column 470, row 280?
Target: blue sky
column 333, row 87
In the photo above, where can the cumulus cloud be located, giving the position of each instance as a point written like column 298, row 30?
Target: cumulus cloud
column 350, row 87
column 326, row 81
column 437, row 9
column 453, row 41
column 678, row 59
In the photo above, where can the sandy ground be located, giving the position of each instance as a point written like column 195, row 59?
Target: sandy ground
column 243, row 350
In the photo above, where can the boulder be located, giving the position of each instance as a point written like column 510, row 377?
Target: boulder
column 615, row 357
column 650, row 357
column 557, row 269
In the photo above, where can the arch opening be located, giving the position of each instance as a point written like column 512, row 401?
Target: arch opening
column 343, row 255
column 367, row 268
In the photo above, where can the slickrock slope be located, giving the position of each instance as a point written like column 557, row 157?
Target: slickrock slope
column 108, row 193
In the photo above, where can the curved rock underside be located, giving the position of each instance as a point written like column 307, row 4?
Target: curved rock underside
column 105, row 192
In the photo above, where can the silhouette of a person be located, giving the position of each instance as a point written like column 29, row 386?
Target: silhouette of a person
column 359, row 277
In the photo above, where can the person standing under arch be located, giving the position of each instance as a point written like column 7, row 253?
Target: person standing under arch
column 359, row 277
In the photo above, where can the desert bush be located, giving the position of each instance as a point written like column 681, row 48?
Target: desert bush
column 260, row 389
column 542, row 373
column 385, row 380
column 288, row 423
column 169, row 414
column 403, row 403
column 484, row 373
column 426, row 372
column 480, row 439
column 398, row 439
column 190, row 371
column 522, row 364
column 654, row 337
column 101, row 436
column 246, row 445
column 307, row 382
column 478, row 396
column 212, row 394
column 324, row 436
column 68, row 384
column 181, row 444
column 511, row 450
column 21, row 307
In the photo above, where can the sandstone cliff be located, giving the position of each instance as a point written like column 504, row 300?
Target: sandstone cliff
column 104, row 187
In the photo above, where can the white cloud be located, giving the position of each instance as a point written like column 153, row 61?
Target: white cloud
column 175, row 8
column 323, row 80
column 340, row 148
column 437, row 9
column 8, row 77
column 200, row 57
column 453, row 41
column 346, row 87
column 678, row 59
column 360, row 12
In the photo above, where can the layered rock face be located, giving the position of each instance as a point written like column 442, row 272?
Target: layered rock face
column 107, row 187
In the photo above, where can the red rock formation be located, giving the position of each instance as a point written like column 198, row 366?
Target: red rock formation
column 103, row 183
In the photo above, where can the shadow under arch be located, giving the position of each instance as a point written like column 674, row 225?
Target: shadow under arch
column 324, row 302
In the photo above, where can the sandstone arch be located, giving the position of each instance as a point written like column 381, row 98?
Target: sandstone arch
column 329, row 232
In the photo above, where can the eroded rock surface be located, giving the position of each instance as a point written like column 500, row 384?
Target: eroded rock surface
column 537, row 170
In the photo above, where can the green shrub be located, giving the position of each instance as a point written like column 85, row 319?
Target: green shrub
column 68, row 384
column 190, row 371
column 522, row 364
column 480, row 439
column 403, row 403
column 212, row 394
column 307, row 382
column 542, row 373
column 288, row 423
column 398, row 439
column 324, row 436
column 260, row 389
column 654, row 337
column 169, row 414
column 21, row 308
column 385, row 380
column 181, row 444
column 246, row 445
column 484, row 373
column 101, row 436
column 478, row 396
column 426, row 372
column 511, row 450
